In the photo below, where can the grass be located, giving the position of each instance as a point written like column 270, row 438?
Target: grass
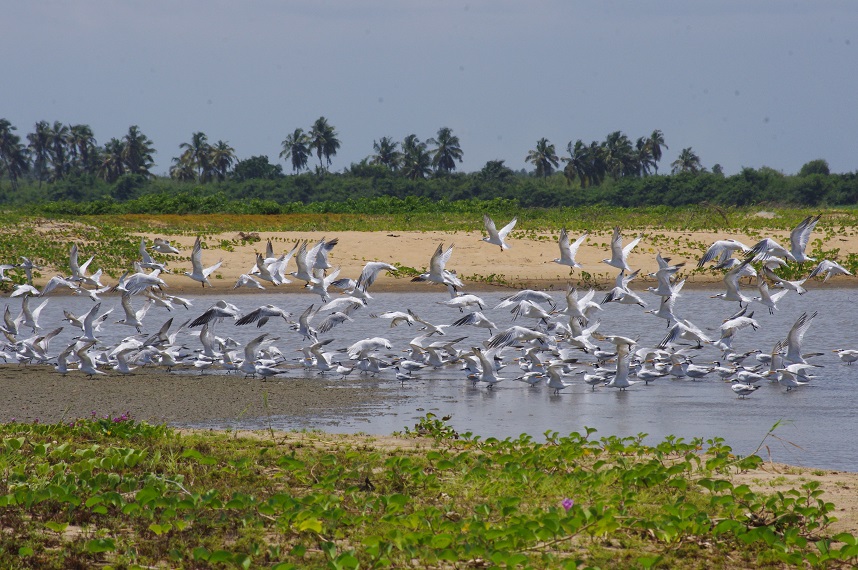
column 124, row 494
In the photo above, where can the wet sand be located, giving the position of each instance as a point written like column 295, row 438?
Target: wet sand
column 33, row 393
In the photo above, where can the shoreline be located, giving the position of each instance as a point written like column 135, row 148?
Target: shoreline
column 483, row 267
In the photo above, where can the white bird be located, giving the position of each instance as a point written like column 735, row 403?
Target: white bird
column 621, row 378
column 245, row 280
column 722, row 250
column 332, row 320
column 140, row 281
column 427, row 326
column 497, row 237
column 305, row 259
column 30, row 317
column 580, row 308
column 621, row 292
column 487, row 372
column 162, row 246
column 743, row 389
column 461, row 302
column 344, row 304
column 794, row 375
column 3, row 268
column 796, row 337
column 437, row 272
column 396, row 318
column 476, row 319
column 320, row 283
column 620, row 254
column 766, row 248
column 362, row 348
column 526, row 295
column 200, row 273
column 88, row 323
column 846, row 355
column 28, row 266
column 797, row 286
column 219, row 310
column 265, row 272
column 766, row 298
column 800, row 237
column 303, row 326
column 568, row 251
column 731, row 280
column 515, row 335
column 146, row 260
column 555, row 378
column 86, row 363
column 321, row 261
column 133, row 318
column 261, row 315
column 829, row 268
column 54, row 282
column 78, row 271
column 370, row 273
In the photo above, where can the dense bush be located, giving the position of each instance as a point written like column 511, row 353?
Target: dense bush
column 384, row 191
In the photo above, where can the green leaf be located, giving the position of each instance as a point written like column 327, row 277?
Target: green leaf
column 201, row 553
column 56, row 526
column 98, row 545
column 160, row 529
column 25, row 551
column 220, row 556
column 311, row 523
column 441, row 541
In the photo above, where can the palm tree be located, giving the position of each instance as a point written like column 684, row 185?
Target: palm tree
column 577, row 164
column 687, row 161
column 656, row 141
column 82, row 147
column 416, row 158
column 198, row 152
column 296, row 147
column 543, row 157
column 13, row 153
column 59, row 150
column 323, row 138
column 386, row 153
column 221, row 158
column 112, row 163
column 182, row 169
column 645, row 161
column 137, row 152
column 621, row 157
column 40, row 142
column 446, row 152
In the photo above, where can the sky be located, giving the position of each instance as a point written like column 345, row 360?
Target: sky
column 744, row 83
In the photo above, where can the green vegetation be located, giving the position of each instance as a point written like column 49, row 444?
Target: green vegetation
column 113, row 491
column 64, row 163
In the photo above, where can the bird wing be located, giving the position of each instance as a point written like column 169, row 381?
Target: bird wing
column 800, row 236
column 197, row 256
column 504, row 231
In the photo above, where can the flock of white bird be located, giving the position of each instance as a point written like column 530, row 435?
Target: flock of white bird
column 549, row 344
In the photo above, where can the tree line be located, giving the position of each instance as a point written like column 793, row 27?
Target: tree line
column 63, row 162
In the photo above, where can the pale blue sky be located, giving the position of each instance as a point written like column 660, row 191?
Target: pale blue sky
column 767, row 83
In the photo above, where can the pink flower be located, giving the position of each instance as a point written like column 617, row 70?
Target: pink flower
column 567, row 504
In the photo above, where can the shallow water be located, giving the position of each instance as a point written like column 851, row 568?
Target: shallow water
column 816, row 421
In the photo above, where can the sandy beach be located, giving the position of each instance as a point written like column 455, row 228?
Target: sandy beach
column 527, row 264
